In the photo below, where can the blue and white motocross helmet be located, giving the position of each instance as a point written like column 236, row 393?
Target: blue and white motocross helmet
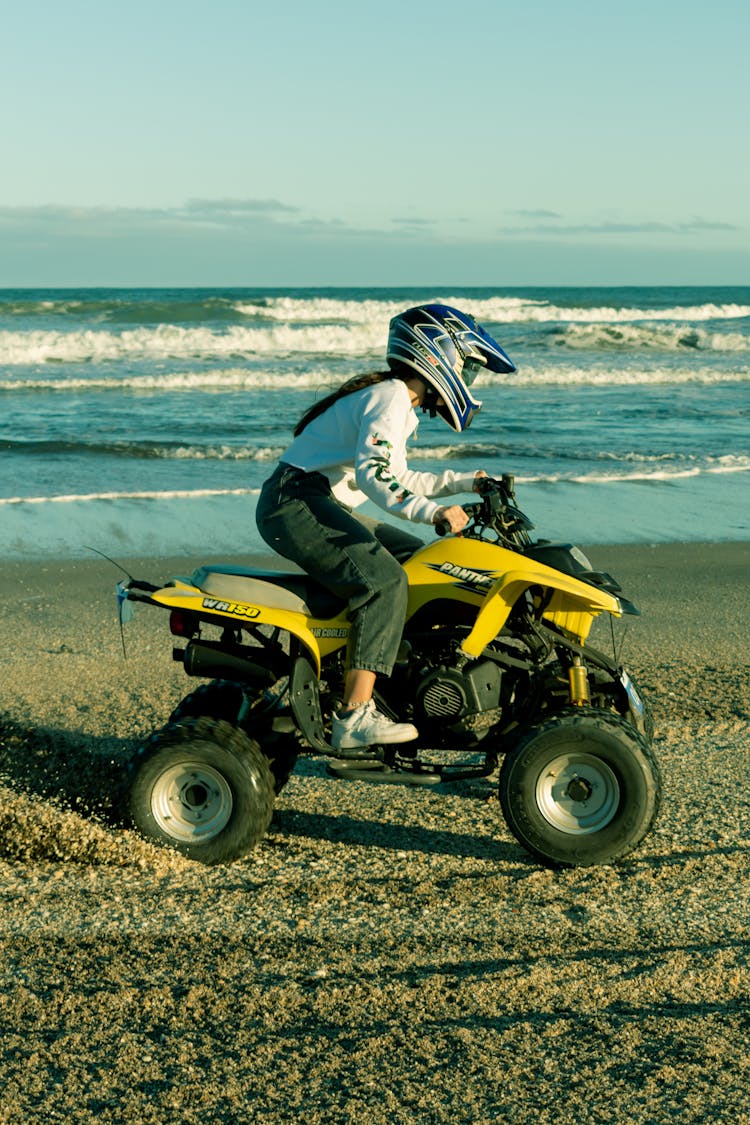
column 448, row 349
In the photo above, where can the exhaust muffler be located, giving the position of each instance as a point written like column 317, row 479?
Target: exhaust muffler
column 209, row 659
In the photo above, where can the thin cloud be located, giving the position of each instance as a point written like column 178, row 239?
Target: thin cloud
column 267, row 241
column 242, row 218
column 541, row 214
column 249, row 216
column 83, row 220
column 238, row 206
column 414, row 222
column 546, row 229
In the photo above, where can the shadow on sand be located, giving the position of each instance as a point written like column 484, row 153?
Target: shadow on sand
column 70, row 772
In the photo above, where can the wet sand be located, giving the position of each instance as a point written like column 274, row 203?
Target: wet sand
column 386, row 954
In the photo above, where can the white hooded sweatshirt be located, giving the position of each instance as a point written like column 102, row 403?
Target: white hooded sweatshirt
column 359, row 444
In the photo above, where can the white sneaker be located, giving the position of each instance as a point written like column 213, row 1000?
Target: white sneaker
column 365, row 726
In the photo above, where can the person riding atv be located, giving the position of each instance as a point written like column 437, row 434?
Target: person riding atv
column 351, row 446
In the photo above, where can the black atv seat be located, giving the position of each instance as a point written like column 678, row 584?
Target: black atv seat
column 291, row 589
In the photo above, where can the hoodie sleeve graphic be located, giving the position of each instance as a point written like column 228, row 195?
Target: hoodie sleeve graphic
column 381, row 471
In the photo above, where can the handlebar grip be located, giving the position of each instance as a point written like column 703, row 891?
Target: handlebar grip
column 442, row 527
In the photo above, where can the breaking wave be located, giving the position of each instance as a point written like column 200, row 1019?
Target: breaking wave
column 643, row 468
column 248, row 379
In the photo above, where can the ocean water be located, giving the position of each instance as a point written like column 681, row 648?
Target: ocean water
column 143, row 422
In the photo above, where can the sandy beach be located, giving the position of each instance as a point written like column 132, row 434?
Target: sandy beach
column 386, row 954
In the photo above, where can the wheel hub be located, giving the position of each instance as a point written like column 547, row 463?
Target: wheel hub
column 578, row 793
column 191, row 801
column 195, row 796
column 579, row 789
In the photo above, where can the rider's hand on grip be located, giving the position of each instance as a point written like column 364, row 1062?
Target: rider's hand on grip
column 453, row 519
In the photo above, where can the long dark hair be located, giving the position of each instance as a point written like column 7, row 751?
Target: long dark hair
column 356, row 383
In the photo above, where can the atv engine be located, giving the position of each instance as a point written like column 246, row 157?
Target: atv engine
column 454, row 696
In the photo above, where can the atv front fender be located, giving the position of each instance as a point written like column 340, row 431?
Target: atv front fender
column 571, row 604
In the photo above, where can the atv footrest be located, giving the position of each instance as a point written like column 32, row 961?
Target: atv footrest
column 359, row 754
column 380, row 772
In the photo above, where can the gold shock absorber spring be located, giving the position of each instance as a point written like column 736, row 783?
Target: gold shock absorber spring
column 579, row 683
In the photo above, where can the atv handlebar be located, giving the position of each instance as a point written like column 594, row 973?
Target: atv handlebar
column 495, row 513
column 442, row 527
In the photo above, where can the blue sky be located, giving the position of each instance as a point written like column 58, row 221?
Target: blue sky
column 396, row 143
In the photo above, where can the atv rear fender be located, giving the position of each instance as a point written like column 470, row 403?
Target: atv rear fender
column 215, row 611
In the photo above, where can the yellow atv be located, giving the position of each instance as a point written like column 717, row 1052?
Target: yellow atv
column 494, row 669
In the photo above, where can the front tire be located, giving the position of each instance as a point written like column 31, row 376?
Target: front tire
column 203, row 788
column 580, row 789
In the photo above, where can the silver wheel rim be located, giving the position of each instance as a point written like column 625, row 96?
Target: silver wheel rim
column 191, row 801
column 578, row 794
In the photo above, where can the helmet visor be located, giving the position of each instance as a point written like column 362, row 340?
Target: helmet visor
column 473, row 366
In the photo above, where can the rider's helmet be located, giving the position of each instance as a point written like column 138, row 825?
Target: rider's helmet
column 447, row 349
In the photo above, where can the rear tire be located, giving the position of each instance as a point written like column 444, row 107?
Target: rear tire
column 204, row 788
column 222, row 699
column 580, row 789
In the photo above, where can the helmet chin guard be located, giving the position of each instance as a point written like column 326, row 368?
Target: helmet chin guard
column 446, row 348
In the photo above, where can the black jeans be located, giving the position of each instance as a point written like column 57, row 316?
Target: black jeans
column 354, row 557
